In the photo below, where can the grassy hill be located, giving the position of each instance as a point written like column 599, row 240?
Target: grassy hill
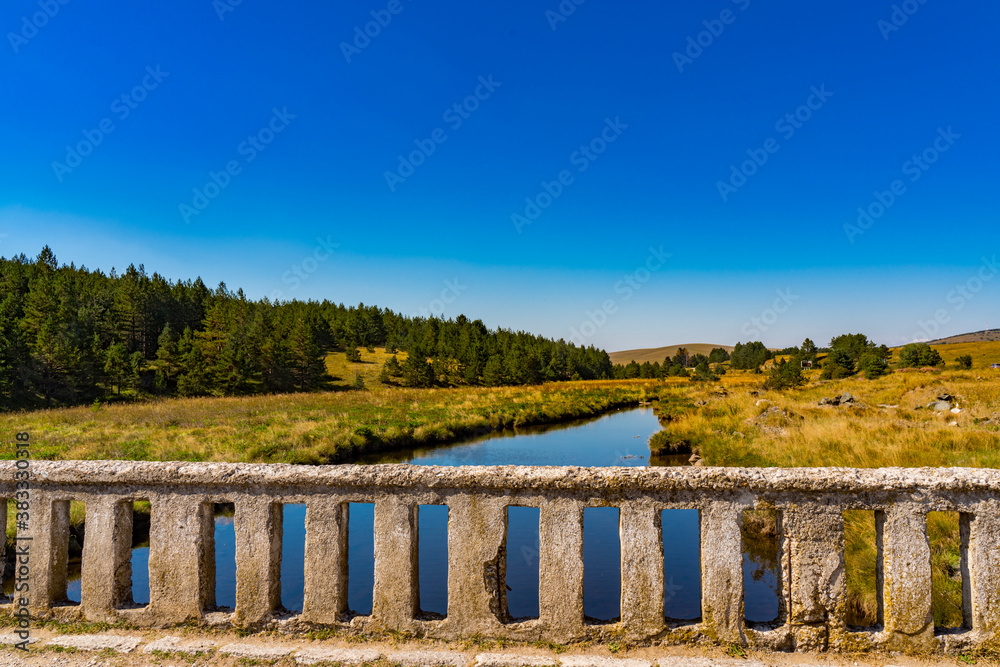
column 652, row 354
column 983, row 353
column 343, row 371
column 973, row 337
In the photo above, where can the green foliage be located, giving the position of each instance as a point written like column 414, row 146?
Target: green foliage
column 702, row 372
column 807, row 351
column 872, row 364
column 359, row 382
column 964, row 361
column 416, row 371
column 718, row 355
column 493, row 375
column 784, row 375
column 838, row 364
column 354, row 355
column 677, row 370
column 392, row 367
column 116, row 365
column 852, row 344
column 69, row 336
column 915, row 355
column 750, row 356
column 846, row 354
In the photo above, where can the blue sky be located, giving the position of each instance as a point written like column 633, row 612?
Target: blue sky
column 261, row 144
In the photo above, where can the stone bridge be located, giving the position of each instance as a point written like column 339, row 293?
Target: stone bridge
column 809, row 504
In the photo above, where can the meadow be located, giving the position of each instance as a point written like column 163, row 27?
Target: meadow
column 310, row 428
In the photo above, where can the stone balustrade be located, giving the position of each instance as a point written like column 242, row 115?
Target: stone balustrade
column 809, row 504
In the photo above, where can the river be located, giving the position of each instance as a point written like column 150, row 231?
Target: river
column 616, row 439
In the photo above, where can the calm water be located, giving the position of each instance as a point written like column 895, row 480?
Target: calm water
column 616, row 439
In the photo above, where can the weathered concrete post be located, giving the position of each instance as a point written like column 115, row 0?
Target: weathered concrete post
column 477, row 563
column 106, row 580
column 48, row 529
column 397, row 594
column 560, row 569
column 641, row 568
column 181, row 558
column 258, row 525
column 814, row 546
column 325, row 594
column 981, row 581
column 722, row 572
column 905, row 577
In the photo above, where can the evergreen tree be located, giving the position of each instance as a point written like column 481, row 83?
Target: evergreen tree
column 915, row 355
column 718, row 355
column 135, row 366
column 416, row 371
column 116, row 366
column 493, row 375
column 308, row 368
column 808, row 350
column 784, row 375
column 872, row 364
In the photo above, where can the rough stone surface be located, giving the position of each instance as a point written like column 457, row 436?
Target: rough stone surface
column 513, row 660
column 178, row 645
column 811, row 500
column 11, row 638
column 598, row 661
column 344, row 656
column 428, row 659
column 255, row 651
column 119, row 643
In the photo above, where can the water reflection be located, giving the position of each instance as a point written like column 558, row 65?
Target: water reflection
column 616, row 439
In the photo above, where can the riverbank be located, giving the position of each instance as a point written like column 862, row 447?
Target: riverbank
column 314, row 428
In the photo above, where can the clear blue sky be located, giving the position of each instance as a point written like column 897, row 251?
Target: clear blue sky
column 309, row 118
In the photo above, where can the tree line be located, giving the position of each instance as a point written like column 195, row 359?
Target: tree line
column 847, row 355
column 69, row 335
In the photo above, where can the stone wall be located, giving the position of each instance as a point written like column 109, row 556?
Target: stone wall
column 809, row 505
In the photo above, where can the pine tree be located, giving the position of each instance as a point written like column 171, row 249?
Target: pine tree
column 135, row 366
column 116, row 365
column 166, row 353
column 416, row 371
column 493, row 375
column 308, row 368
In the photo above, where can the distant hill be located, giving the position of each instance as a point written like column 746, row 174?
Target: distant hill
column 984, row 336
column 652, row 354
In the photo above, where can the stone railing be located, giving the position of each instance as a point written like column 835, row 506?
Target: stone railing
column 809, row 504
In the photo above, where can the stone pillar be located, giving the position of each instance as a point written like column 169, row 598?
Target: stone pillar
column 181, row 559
column 905, row 577
column 981, row 576
column 258, row 525
column 722, row 572
column 560, row 565
column 813, row 546
column 48, row 530
column 106, row 580
column 641, row 537
column 3, row 522
column 325, row 596
column 397, row 595
column 477, row 563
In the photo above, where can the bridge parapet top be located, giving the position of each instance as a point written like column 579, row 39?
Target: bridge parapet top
column 503, row 478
